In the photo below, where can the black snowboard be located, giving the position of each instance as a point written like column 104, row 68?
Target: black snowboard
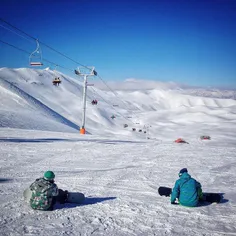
column 69, row 197
column 208, row 197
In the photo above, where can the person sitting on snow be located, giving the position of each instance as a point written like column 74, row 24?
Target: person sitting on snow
column 44, row 192
column 187, row 190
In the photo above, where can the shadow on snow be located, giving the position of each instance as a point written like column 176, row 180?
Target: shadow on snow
column 5, row 180
column 87, row 201
column 48, row 140
column 94, row 200
column 205, row 203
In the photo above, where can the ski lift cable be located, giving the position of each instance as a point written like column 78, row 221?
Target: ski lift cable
column 57, row 65
column 15, row 47
column 68, row 70
column 112, row 106
column 15, row 33
column 52, row 63
column 104, row 100
column 113, row 92
column 47, row 61
column 23, row 50
column 58, row 53
column 62, row 54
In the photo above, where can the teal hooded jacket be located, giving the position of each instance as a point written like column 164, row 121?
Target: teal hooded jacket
column 187, row 190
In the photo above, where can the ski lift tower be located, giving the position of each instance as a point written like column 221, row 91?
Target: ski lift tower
column 85, row 72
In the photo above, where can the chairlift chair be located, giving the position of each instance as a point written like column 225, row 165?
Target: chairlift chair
column 94, row 102
column 205, row 137
column 35, row 58
column 36, row 63
column 56, row 81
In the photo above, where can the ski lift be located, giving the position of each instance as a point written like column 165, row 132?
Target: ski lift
column 94, row 102
column 35, row 58
column 205, row 137
column 56, row 81
column 115, row 105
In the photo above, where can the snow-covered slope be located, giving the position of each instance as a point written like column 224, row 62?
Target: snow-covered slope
column 26, row 92
column 118, row 170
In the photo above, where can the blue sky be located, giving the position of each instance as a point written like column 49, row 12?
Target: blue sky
column 191, row 41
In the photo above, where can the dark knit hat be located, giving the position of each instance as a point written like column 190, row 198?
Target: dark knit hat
column 183, row 171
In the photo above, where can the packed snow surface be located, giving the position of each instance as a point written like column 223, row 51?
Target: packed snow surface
column 118, row 170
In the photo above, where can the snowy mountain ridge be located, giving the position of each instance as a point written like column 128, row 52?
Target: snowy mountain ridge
column 30, row 90
column 143, row 85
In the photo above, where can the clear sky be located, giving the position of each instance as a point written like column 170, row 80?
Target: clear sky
column 191, row 41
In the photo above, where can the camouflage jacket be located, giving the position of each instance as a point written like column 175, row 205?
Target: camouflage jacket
column 43, row 192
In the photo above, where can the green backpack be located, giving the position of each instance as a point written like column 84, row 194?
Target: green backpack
column 42, row 194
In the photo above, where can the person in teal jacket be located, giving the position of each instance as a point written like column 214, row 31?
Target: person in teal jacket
column 187, row 190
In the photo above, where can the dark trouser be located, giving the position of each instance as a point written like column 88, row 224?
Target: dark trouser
column 54, row 200
column 62, row 196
